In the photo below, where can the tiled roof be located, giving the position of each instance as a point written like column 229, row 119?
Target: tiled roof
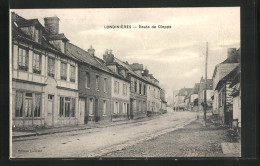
column 18, row 21
column 129, row 69
column 85, row 57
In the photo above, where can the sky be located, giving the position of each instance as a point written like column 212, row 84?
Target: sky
column 175, row 56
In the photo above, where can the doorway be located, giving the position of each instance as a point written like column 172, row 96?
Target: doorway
column 50, row 110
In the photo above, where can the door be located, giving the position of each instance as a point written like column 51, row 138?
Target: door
column 128, row 111
column 131, row 108
column 50, row 110
column 96, row 111
column 82, row 108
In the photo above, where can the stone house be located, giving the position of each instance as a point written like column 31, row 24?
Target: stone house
column 180, row 103
column 153, row 93
column 94, row 85
column 44, row 85
column 138, row 88
column 222, row 101
column 120, row 88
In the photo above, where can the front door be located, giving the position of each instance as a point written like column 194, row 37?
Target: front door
column 96, row 111
column 50, row 110
column 131, row 108
column 82, row 106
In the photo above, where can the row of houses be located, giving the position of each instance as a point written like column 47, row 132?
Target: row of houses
column 56, row 83
column 223, row 92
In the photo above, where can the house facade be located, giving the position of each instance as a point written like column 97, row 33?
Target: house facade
column 120, row 88
column 222, row 103
column 153, row 93
column 138, row 88
column 209, row 93
column 236, row 96
column 44, row 78
column 94, row 85
column 163, row 101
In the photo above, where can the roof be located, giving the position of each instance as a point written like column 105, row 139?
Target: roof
column 232, row 59
column 196, row 88
column 18, row 21
column 60, row 36
column 209, row 84
column 85, row 57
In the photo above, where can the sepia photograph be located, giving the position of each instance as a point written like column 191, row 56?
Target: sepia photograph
column 125, row 83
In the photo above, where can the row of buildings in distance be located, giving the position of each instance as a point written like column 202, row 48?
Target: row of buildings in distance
column 56, row 83
column 223, row 92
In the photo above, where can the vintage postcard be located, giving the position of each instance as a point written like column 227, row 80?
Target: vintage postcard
column 125, row 82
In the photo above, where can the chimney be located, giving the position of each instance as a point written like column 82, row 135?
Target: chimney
column 108, row 57
column 231, row 53
column 146, row 71
column 52, row 25
column 91, row 51
column 127, row 62
column 138, row 68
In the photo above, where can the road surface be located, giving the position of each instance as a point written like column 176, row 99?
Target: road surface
column 98, row 141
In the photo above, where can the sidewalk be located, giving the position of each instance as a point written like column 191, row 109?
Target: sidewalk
column 90, row 125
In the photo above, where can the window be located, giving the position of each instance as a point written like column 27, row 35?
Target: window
column 36, row 63
column 97, row 82
column 140, row 88
column 135, row 86
column 116, row 87
column 104, row 107
column 91, row 107
column 28, row 105
column 140, row 106
column 144, row 90
column 37, row 105
column 51, row 67
column 72, row 73
column 148, row 105
column 105, row 84
column 87, row 80
column 18, row 104
column 63, row 71
column 67, row 107
column 124, row 89
column 124, row 108
column 23, row 59
column 116, row 108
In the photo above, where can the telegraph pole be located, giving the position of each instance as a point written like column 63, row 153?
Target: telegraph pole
column 205, row 93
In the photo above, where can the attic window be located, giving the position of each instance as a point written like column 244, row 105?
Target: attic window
column 15, row 24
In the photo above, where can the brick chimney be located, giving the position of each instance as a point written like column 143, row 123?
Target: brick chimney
column 52, row 25
column 231, row 52
column 108, row 56
column 138, row 68
column 91, row 51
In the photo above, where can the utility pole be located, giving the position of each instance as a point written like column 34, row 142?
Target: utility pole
column 205, row 92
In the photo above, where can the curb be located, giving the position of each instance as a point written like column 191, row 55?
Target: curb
column 77, row 129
